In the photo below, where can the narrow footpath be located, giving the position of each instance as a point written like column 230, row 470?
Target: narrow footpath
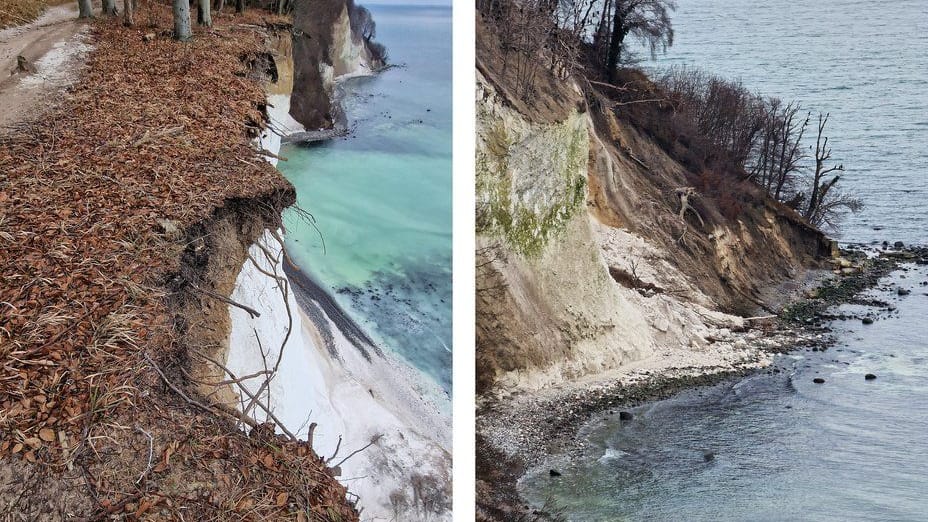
column 54, row 47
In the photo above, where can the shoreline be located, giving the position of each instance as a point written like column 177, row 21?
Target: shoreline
column 528, row 431
column 362, row 396
column 340, row 127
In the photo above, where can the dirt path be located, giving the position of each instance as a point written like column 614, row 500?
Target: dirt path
column 54, row 46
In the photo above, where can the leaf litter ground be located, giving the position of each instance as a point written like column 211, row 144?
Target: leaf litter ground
column 154, row 132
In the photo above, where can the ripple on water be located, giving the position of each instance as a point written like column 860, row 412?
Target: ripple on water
column 784, row 448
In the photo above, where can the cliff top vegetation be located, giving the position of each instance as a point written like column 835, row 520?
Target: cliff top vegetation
column 106, row 203
column 729, row 138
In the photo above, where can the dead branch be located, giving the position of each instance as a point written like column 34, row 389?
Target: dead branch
column 373, row 441
column 251, row 311
column 338, row 446
column 250, row 395
column 310, row 433
column 151, row 451
column 265, row 152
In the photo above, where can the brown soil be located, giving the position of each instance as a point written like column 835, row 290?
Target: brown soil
column 310, row 104
column 548, row 99
column 140, row 183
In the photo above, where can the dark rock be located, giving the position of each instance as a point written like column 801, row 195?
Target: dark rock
column 625, row 415
column 869, row 377
column 708, row 456
column 898, row 245
column 554, row 473
column 867, row 320
column 903, row 291
column 818, row 380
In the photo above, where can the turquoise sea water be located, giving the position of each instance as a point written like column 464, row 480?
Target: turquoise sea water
column 381, row 197
column 784, row 447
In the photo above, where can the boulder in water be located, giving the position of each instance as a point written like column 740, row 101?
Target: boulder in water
column 625, row 415
column 867, row 320
column 708, row 456
column 869, row 377
column 554, row 473
column 818, row 380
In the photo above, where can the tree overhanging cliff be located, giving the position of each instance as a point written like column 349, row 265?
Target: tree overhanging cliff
column 125, row 214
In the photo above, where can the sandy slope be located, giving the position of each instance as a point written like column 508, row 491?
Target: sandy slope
column 53, row 44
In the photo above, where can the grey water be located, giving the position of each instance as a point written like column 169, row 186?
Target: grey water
column 864, row 62
column 783, row 447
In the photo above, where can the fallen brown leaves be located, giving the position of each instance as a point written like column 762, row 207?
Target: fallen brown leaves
column 18, row 12
column 153, row 131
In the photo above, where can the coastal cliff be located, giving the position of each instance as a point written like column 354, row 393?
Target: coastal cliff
column 148, row 230
column 327, row 45
column 605, row 258
column 306, row 365
column 586, row 262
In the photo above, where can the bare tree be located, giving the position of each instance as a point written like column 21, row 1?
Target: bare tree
column 204, row 16
column 109, row 7
column 646, row 20
column 727, row 117
column 85, row 9
column 239, row 6
column 826, row 205
column 362, row 22
column 779, row 155
column 182, row 29
column 128, row 9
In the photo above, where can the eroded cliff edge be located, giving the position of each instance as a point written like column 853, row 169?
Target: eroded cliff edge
column 605, row 255
column 328, row 43
column 303, row 363
column 125, row 222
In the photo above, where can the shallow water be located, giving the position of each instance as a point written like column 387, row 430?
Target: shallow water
column 382, row 196
column 786, row 448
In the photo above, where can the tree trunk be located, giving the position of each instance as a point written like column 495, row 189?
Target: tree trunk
column 85, row 8
column 204, row 17
column 109, row 7
column 182, row 30
column 128, row 9
column 239, row 6
column 219, row 5
column 615, row 43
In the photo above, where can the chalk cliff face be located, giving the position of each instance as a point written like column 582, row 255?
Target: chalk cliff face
column 303, row 367
column 547, row 307
column 584, row 265
column 325, row 47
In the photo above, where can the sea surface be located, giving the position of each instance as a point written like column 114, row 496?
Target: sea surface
column 381, row 197
column 776, row 446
